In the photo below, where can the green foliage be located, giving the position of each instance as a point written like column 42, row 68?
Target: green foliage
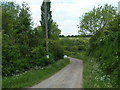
column 97, row 19
column 24, row 47
column 33, row 77
column 104, row 47
column 92, row 73
column 36, row 37
column 103, row 24
column 46, row 6
column 37, row 52
column 55, row 31
column 56, row 49
column 75, row 44
column 9, row 17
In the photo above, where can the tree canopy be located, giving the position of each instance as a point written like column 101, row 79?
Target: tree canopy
column 23, row 47
column 97, row 19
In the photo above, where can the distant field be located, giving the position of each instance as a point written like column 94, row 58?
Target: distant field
column 75, row 38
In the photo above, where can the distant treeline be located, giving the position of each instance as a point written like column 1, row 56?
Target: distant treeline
column 76, row 36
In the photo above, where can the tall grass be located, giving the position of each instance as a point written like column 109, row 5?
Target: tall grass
column 93, row 77
column 33, row 77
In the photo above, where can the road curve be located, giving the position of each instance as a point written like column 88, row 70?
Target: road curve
column 68, row 77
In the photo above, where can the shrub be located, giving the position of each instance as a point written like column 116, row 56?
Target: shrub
column 37, row 52
column 9, row 55
column 56, row 49
column 104, row 47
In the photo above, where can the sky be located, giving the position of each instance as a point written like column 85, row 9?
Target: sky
column 65, row 13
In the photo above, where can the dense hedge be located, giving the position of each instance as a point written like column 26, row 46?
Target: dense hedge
column 104, row 46
column 14, row 63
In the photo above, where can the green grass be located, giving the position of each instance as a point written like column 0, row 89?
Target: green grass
column 93, row 76
column 33, row 77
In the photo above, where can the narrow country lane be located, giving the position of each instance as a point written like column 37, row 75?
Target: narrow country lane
column 68, row 77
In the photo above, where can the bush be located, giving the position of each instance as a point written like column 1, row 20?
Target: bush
column 56, row 50
column 9, row 55
column 104, row 47
column 37, row 52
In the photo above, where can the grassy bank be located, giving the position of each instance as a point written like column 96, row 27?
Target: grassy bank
column 33, row 77
column 93, row 77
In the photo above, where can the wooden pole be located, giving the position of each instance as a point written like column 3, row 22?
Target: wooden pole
column 46, row 29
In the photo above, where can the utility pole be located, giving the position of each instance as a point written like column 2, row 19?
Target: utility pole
column 45, row 16
column 46, row 29
column 46, row 21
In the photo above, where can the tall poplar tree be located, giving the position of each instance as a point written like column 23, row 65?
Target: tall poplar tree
column 46, row 5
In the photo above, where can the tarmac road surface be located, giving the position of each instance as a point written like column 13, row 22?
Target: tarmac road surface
column 69, row 77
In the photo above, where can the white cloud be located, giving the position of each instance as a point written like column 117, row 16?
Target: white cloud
column 70, row 27
column 66, row 12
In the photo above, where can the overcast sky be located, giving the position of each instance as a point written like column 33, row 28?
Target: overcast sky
column 65, row 12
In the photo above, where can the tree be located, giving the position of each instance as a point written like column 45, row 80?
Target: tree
column 23, row 48
column 61, row 36
column 24, row 20
column 36, row 37
column 16, row 25
column 55, row 31
column 9, row 17
column 23, row 30
column 105, row 48
column 46, row 5
column 97, row 19
column 46, row 21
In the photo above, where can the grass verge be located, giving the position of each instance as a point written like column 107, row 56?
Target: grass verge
column 93, row 77
column 33, row 77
